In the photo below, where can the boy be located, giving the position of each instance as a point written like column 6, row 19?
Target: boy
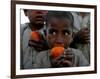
column 30, row 48
column 82, row 33
column 59, row 33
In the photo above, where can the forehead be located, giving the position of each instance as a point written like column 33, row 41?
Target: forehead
column 59, row 23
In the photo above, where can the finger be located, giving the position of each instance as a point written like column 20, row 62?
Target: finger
column 68, row 57
column 62, row 63
column 86, row 35
column 38, row 49
column 33, row 41
column 35, row 44
column 86, row 38
column 42, row 43
column 63, row 56
column 84, row 31
column 59, row 58
column 65, row 63
column 86, row 42
column 68, row 52
column 85, row 28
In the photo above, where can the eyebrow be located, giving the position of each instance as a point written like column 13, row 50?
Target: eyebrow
column 67, row 30
column 52, row 30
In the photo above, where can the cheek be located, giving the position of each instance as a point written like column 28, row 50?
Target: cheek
column 31, row 17
column 51, row 40
column 67, row 41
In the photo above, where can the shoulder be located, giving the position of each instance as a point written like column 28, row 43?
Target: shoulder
column 22, row 26
column 74, row 14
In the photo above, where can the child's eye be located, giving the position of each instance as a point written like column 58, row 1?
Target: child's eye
column 66, row 33
column 53, row 33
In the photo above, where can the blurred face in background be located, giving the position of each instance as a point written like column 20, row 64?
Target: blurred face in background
column 36, row 17
column 59, row 32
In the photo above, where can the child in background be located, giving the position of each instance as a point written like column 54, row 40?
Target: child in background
column 29, row 46
column 82, row 33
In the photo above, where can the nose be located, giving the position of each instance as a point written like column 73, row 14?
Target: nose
column 59, row 40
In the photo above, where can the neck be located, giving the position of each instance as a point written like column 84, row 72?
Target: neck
column 32, row 27
column 35, row 27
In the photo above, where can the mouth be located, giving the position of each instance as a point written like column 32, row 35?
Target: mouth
column 39, row 18
column 57, row 45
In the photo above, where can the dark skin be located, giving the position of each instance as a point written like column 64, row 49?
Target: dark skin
column 59, row 33
column 37, row 18
column 81, row 37
column 65, row 60
column 39, row 45
column 84, row 34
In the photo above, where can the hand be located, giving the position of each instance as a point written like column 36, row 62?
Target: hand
column 83, row 36
column 40, row 45
column 65, row 60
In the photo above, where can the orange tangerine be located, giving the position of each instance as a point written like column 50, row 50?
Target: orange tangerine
column 57, row 51
column 35, row 36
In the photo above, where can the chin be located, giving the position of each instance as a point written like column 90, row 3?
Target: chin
column 39, row 25
column 39, row 22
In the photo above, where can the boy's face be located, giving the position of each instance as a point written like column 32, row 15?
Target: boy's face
column 59, row 32
column 36, row 16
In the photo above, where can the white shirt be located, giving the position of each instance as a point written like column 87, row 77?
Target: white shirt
column 28, row 54
column 79, row 23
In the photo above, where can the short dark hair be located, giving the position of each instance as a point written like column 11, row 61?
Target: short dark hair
column 60, row 14
column 25, row 10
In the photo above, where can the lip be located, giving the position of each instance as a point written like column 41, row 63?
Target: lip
column 39, row 18
column 57, row 45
